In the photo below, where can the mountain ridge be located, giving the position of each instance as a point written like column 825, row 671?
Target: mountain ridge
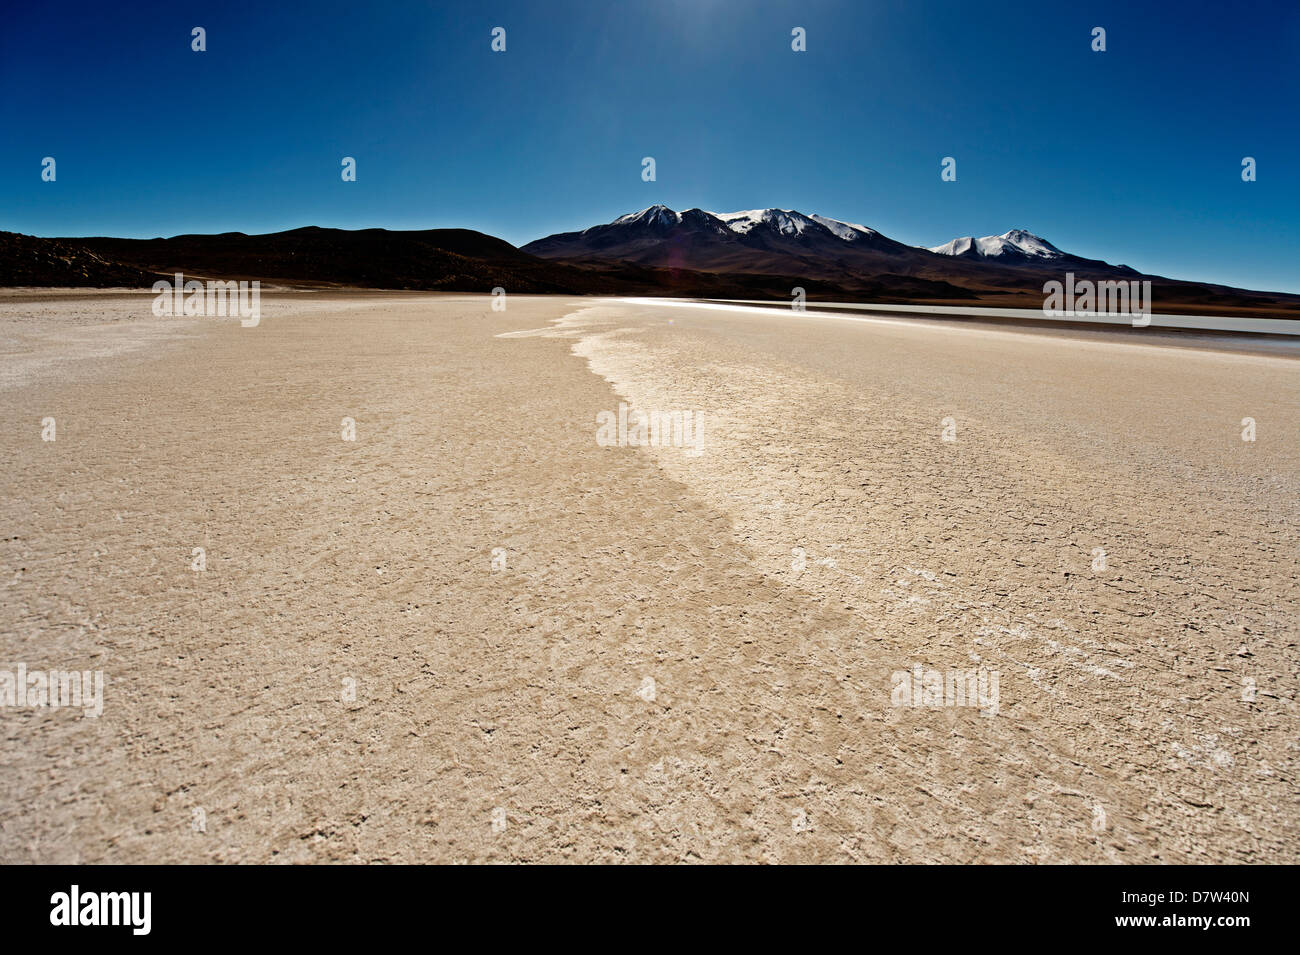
column 851, row 256
column 751, row 254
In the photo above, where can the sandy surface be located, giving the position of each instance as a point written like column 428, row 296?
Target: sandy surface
column 686, row 656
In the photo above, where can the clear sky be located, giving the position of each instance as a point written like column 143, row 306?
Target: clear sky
column 1132, row 155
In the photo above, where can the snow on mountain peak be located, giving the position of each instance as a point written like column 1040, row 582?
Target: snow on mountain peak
column 953, row 246
column 788, row 222
column 1018, row 242
column 1031, row 244
column 848, row 231
column 784, row 221
column 656, row 214
column 1015, row 245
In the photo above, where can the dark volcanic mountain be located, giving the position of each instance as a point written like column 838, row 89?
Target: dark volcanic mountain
column 458, row 260
column 789, row 242
column 855, row 260
column 785, row 242
column 771, row 241
column 809, row 250
column 760, row 254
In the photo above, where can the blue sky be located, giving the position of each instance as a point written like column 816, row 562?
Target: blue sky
column 1132, row 155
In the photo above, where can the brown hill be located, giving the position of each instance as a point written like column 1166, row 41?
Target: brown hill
column 27, row 260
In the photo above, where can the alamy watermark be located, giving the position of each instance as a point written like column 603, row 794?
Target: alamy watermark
column 640, row 429
column 937, row 688
column 130, row 909
column 211, row 299
column 1069, row 299
column 53, row 689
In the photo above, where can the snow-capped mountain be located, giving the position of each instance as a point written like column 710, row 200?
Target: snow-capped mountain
column 789, row 222
column 1016, row 244
column 845, row 230
column 654, row 215
column 782, row 221
column 776, row 241
column 788, row 243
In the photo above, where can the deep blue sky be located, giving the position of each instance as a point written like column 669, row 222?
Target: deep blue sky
column 1132, row 155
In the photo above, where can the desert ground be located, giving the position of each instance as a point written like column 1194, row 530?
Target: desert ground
column 475, row 634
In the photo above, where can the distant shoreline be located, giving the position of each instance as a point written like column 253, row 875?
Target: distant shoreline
column 1222, row 324
column 1243, row 336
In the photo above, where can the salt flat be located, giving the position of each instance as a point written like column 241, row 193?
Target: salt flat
column 475, row 634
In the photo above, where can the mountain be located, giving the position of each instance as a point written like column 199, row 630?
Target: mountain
column 814, row 247
column 28, row 260
column 1020, row 247
column 804, row 250
column 786, row 246
column 1017, row 244
column 787, row 242
column 464, row 260
column 757, row 254
column 453, row 260
column 459, row 260
column 758, row 240
column 767, row 239
column 429, row 259
column 456, row 260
